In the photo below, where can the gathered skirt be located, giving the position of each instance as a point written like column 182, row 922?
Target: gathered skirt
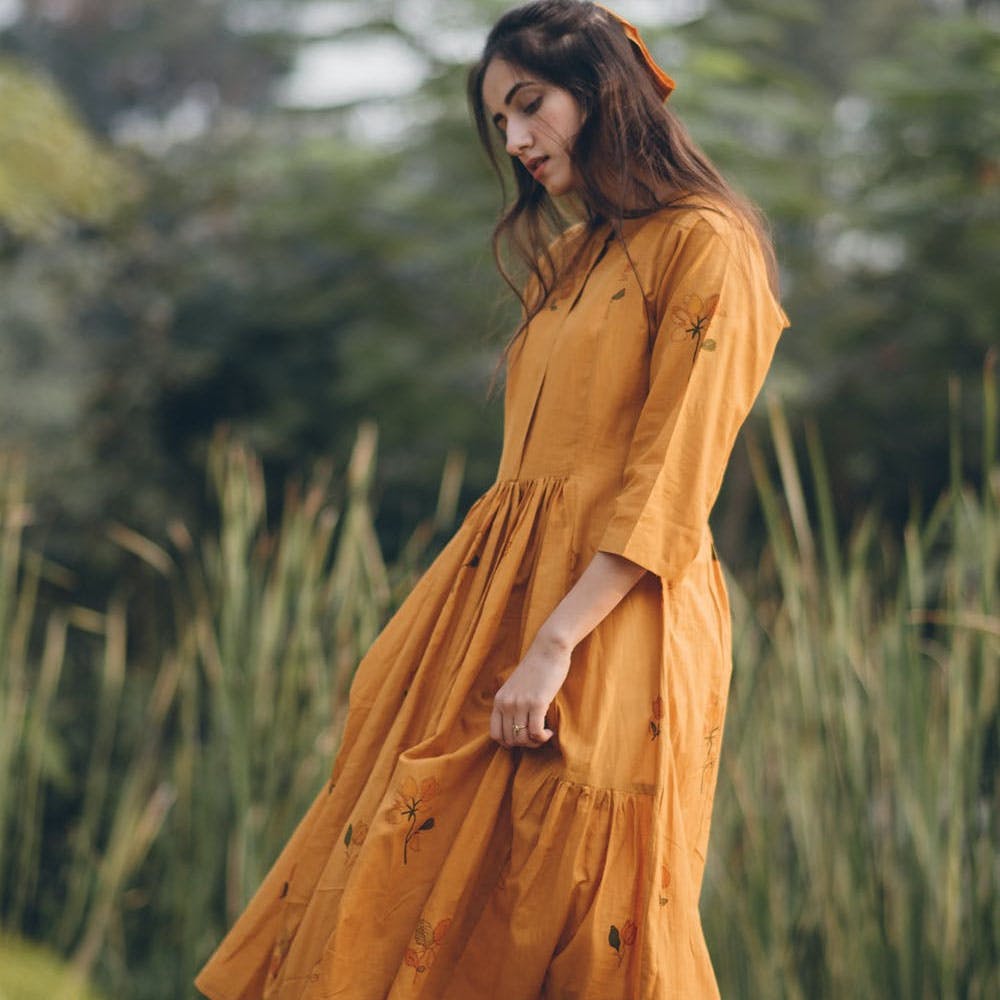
column 435, row 864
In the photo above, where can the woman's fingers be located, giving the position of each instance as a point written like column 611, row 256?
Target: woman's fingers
column 536, row 732
column 498, row 731
column 528, row 733
column 531, row 730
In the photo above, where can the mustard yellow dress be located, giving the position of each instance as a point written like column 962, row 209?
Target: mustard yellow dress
column 435, row 864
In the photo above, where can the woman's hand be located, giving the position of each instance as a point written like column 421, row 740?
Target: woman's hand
column 527, row 694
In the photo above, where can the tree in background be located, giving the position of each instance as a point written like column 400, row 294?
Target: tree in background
column 291, row 269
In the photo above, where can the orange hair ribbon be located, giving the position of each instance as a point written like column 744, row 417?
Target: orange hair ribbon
column 661, row 80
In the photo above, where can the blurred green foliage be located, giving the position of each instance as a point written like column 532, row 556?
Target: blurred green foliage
column 53, row 171
column 289, row 271
column 31, row 971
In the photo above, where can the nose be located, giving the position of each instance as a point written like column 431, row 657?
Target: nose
column 518, row 137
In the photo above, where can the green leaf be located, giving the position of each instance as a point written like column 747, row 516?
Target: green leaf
column 618, row 295
column 614, row 938
column 347, row 836
column 84, row 180
column 428, row 824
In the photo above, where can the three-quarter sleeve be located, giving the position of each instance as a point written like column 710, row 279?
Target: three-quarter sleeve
column 717, row 327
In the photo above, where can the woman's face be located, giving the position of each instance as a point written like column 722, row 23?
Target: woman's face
column 538, row 120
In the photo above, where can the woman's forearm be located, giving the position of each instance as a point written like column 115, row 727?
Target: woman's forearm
column 601, row 586
column 524, row 698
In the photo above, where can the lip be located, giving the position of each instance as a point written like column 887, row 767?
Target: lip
column 536, row 165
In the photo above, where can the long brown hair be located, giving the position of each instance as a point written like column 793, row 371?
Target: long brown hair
column 629, row 150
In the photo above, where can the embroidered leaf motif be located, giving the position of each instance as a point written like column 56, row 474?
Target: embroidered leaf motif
column 709, row 345
column 618, row 295
column 657, row 715
column 353, row 839
column 428, row 824
column 441, row 929
column 622, row 939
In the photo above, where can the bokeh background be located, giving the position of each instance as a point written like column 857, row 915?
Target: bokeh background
column 248, row 324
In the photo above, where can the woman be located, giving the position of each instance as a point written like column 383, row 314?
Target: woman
column 521, row 802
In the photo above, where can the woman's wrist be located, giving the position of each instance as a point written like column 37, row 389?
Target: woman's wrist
column 603, row 584
column 556, row 636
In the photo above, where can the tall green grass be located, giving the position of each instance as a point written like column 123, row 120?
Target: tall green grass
column 855, row 843
column 855, row 838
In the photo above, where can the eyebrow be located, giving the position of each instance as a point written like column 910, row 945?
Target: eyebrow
column 510, row 96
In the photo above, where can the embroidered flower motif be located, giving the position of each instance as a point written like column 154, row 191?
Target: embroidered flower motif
column 656, row 716
column 691, row 320
column 427, row 940
column 622, row 939
column 664, row 884
column 412, row 801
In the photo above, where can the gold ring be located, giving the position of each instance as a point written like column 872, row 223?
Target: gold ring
column 517, row 728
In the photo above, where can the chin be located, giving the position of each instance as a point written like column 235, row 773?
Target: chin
column 559, row 188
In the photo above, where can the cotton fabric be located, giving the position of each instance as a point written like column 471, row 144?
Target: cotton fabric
column 436, row 864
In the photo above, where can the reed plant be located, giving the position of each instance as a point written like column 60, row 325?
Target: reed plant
column 855, row 840
column 268, row 625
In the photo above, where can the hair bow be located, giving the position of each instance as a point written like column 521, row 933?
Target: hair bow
column 661, row 80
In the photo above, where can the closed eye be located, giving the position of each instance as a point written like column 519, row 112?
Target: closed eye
column 500, row 120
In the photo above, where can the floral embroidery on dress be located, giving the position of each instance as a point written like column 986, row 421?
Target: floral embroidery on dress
column 412, row 801
column 622, row 939
column 282, row 943
column 691, row 320
column 713, row 725
column 664, row 884
column 427, row 940
column 655, row 717
column 353, row 839
column 278, row 953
